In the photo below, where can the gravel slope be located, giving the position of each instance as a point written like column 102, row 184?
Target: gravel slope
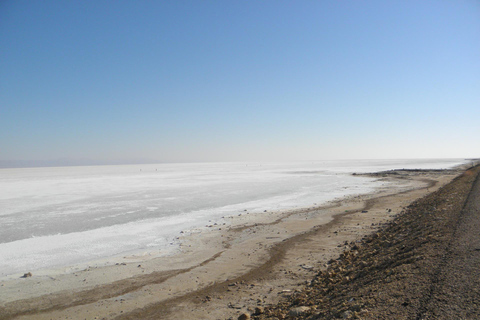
column 423, row 265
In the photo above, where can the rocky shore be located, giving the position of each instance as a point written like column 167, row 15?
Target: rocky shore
column 421, row 265
column 372, row 256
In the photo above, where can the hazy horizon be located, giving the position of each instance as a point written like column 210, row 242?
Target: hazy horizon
column 208, row 81
column 18, row 164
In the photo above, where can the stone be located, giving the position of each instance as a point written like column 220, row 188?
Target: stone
column 295, row 312
column 347, row 314
column 259, row 310
column 244, row 316
column 306, row 266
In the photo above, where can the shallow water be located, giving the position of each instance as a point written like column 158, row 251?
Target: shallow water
column 62, row 216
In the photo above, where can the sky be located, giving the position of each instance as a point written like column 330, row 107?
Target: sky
column 194, row 81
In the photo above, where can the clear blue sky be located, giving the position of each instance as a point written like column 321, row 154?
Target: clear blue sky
column 116, row 81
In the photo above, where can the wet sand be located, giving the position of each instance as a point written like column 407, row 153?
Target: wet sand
column 222, row 273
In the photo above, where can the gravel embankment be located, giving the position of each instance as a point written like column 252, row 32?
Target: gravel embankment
column 422, row 265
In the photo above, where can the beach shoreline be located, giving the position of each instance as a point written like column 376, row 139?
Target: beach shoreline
column 223, row 272
column 421, row 265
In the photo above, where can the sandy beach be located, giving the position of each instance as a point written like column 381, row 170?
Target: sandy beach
column 256, row 261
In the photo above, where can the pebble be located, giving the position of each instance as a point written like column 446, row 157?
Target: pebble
column 244, row 316
column 259, row 310
column 297, row 311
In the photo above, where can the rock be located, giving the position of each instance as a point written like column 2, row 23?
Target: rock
column 259, row 310
column 295, row 312
column 347, row 314
column 244, row 316
column 356, row 308
column 306, row 266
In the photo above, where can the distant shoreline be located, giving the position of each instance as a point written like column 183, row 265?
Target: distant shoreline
column 19, row 164
column 28, row 164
